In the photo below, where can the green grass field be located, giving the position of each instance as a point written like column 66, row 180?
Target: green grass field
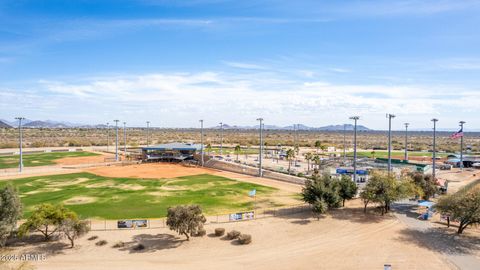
column 41, row 159
column 93, row 196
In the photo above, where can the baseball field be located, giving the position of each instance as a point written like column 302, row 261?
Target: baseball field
column 40, row 159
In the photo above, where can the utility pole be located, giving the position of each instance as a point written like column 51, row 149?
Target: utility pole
column 355, row 119
column 108, row 135
column 116, row 139
column 406, row 141
column 390, row 116
column 344, row 143
column 221, row 138
column 461, row 145
column 201, row 143
column 148, row 133
column 125, row 140
column 260, row 173
column 434, row 159
column 20, row 140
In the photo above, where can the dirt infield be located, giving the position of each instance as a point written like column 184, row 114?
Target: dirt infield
column 344, row 239
column 151, row 170
column 84, row 160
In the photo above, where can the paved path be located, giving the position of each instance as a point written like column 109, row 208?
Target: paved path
column 458, row 250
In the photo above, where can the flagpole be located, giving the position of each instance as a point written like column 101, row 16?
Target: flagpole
column 461, row 145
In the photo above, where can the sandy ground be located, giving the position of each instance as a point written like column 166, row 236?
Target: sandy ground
column 458, row 178
column 345, row 239
column 152, row 170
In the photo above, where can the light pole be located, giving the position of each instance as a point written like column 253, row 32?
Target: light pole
column 461, row 145
column 260, row 149
column 201, row 143
column 355, row 119
column 406, row 141
column 116, row 139
column 295, row 141
column 390, row 116
column 148, row 135
column 108, row 135
column 221, row 138
column 344, row 143
column 125, row 140
column 434, row 159
column 20, row 163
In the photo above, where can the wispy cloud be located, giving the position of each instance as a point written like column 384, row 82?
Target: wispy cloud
column 243, row 65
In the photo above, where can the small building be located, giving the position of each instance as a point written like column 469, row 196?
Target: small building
column 362, row 174
column 170, row 152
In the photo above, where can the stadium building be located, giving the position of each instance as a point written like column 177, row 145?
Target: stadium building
column 170, row 152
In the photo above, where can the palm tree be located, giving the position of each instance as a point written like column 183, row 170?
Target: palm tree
column 308, row 157
column 316, row 159
column 373, row 154
column 238, row 149
column 209, row 149
column 290, row 155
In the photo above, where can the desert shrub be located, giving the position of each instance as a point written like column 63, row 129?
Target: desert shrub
column 92, row 238
column 139, row 247
column 219, row 231
column 10, row 211
column 73, row 228
column 244, row 239
column 101, row 243
column 119, row 244
column 233, row 235
column 185, row 219
column 201, row 232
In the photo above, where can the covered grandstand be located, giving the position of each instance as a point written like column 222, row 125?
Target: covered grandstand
column 170, row 152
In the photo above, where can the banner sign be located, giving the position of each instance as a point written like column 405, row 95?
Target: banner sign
column 242, row 216
column 131, row 224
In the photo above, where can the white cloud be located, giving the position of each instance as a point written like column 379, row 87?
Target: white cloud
column 244, row 65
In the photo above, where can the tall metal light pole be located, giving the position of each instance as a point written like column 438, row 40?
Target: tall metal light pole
column 461, row 145
column 221, row 138
column 108, row 135
column 434, row 155
column 406, row 141
column 260, row 173
column 390, row 116
column 201, row 143
column 148, row 133
column 116, row 139
column 355, row 119
column 125, row 139
column 20, row 163
column 295, row 127
column 344, row 142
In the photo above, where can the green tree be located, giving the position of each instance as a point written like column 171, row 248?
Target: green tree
column 426, row 183
column 237, row 150
column 318, row 144
column 316, row 160
column 46, row 219
column 73, row 228
column 308, row 157
column 10, row 211
column 185, row 219
column 290, row 156
column 208, row 148
column 464, row 206
column 322, row 192
column 347, row 188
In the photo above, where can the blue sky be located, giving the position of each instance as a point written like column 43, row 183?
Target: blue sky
column 174, row 62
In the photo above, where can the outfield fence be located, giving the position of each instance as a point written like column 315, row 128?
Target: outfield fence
column 158, row 223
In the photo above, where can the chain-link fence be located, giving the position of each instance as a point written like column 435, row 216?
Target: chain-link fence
column 105, row 225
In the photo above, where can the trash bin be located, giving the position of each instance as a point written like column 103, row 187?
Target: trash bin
column 387, row 267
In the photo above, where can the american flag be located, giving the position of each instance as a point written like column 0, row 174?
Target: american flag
column 457, row 134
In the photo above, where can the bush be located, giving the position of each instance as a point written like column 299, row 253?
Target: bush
column 219, row 231
column 201, row 232
column 185, row 219
column 245, row 239
column 233, row 235
column 119, row 244
column 139, row 247
column 101, row 243
column 92, row 238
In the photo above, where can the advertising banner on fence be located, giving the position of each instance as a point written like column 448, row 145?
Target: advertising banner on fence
column 242, row 216
column 131, row 224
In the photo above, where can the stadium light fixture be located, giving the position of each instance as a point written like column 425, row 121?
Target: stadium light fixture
column 108, row 135
column 260, row 173
column 125, row 140
column 344, row 143
column 461, row 144
column 221, row 138
column 406, row 141
column 390, row 116
column 148, row 135
column 355, row 119
column 116, row 139
column 20, row 140
column 434, row 154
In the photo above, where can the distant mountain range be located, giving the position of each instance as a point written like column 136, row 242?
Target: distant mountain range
column 348, row 127
column 46, row 124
